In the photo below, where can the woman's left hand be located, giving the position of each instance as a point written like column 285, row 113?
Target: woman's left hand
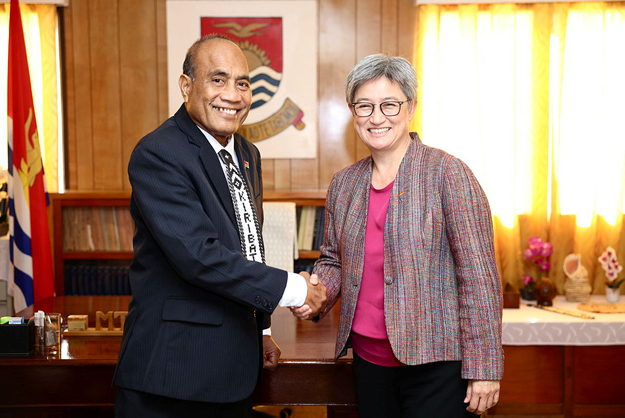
column 481, row 395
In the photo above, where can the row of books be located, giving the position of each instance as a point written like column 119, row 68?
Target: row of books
column 310, row 220
column 91, row 280
column 110, row 228
column 97, row 228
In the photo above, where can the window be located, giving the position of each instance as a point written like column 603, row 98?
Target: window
column 530, row 97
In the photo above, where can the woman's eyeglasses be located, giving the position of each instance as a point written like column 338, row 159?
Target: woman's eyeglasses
column 388, row 108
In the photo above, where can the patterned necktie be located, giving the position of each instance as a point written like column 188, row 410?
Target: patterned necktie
column 247, row 221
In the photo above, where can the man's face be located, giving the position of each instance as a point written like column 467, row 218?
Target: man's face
column 219, row 98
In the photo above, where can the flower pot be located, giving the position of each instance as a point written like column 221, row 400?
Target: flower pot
column 612, row 294
column 527, row 294
column 545, row 290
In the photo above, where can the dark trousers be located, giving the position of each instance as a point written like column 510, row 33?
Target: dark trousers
column 134, row 404
column 424, row 391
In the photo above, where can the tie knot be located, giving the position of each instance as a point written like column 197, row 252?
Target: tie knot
column 225, row 155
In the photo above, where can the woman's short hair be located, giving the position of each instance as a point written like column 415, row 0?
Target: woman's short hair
column 372, row 67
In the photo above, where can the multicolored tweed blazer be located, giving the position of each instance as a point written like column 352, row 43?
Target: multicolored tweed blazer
column 443, row 298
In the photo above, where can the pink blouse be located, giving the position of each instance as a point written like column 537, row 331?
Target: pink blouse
column 369, row 337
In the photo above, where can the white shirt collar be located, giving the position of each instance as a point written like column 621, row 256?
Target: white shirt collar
column 218, row 147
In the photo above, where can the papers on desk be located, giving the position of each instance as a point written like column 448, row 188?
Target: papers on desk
column 279, row 234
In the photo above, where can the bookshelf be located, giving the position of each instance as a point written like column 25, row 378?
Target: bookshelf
column 301, row 198
column 86, row 235
column 94, row 228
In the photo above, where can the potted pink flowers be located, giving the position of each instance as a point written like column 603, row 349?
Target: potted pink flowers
column 538, row 253
column 612, row 268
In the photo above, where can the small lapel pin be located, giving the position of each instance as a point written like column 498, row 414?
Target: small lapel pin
column 399, row 195
column 246, row 164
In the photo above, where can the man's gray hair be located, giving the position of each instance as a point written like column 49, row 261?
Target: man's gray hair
column 372, row 67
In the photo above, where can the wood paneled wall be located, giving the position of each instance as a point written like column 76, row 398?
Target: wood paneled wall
column 115, row 84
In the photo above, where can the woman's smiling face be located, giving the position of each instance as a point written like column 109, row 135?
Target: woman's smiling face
column 378, row 131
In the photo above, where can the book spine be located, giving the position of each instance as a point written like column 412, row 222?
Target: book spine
column 96, row 229
column 322, row 227
column 105, row 229
column 301, row 227
column 315, row 245
column 115, row 229
column 309, row 231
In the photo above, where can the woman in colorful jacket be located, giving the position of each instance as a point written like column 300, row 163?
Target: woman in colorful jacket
column 409, row 250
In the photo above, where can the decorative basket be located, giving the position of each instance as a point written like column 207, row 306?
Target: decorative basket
column 577, row 287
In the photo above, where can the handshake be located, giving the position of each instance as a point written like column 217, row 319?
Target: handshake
column 316, row 298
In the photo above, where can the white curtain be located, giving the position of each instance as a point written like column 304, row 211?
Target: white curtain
column 531, row 97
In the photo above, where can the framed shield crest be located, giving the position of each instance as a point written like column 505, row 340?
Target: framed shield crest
column 279, row 41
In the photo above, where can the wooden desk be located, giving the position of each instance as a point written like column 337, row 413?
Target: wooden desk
column 76, row 380
column 562, row 366
column 539, row 380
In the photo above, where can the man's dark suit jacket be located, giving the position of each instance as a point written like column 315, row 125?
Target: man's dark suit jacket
column 194, row 323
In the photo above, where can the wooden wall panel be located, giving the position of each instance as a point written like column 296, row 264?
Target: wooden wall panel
column 116, row 85
column 80, row 133
column 305, row 174
column 161, row 51
column 368, row 41
column 105, row 89
column 407, row 23
column 390, row 17
column 368, row 27
column 282, row 179
column 337, row 56
column 268, row 167
column 139, row 80
column 68, row 91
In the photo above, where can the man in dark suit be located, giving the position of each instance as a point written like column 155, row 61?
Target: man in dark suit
column 193, row 340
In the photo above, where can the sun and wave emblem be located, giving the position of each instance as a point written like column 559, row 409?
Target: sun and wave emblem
column 265, row 80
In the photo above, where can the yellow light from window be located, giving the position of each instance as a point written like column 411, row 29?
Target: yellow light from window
column 590, row 138
column 477, row 96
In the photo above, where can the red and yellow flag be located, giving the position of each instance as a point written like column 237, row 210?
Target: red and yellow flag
column 31, row 277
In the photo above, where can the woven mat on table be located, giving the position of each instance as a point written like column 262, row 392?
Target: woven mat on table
column 602, row 307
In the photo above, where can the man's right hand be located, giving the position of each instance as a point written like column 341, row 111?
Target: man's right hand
column 316, row 298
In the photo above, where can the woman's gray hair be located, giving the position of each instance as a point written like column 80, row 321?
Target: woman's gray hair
column 372, row 67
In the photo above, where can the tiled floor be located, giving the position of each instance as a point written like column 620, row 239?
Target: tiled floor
column 296, row 412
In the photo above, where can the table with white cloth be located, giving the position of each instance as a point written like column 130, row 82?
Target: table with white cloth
column 531, row 326
column 558, row 365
